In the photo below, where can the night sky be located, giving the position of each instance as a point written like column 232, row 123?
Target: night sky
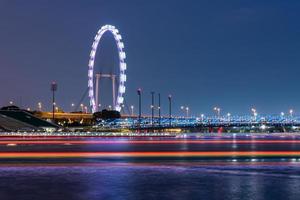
column 231, row 54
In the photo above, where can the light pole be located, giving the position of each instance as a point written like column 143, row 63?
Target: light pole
column 53, row 89
column 139, row 92
column 218, row 111
column 72, row 107
column 255, row 116
column 187, row 109
column 170, row 110
column 282, row 115
column 131, row 107
column 40, row 106
column 159, row 110
column 253, row 110
column 202, row 117
column 228, row 116
column 152, row 107
column 291, row 112
column 182, row 108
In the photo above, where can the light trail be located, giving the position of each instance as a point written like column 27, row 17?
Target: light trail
column 149, row 164
column 85, row 142
column 149, row 154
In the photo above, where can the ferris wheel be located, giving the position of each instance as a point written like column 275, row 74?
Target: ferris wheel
column 93, row 94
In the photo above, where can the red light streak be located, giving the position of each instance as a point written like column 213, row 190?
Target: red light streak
column 148, row 154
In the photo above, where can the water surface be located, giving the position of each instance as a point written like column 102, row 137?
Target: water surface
column 155, row 177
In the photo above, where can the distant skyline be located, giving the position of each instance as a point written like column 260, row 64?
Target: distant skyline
column 231, row 54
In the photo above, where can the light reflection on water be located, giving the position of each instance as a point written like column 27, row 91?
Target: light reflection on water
column 169, row 180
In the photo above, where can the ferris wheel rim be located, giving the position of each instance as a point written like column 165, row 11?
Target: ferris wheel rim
column 122, row 67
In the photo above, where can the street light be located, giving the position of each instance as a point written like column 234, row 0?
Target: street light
column 131, row 107
column 152, row 107
column 255, row 116
column 53, row 89
column 183, row 109
column 72, row 107
column 282, row 115
column 159, row 111
column 291, row 112
column 218, row 111
column 139, row 92
column 187, row 109
column 40, row 106
column 228, row 116
column 202, row 117
column 82, row 106
column 253, row 110
column 170, row 110
column 11, row 102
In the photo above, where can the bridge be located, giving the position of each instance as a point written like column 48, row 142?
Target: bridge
column 205, row 121
column 262, row 122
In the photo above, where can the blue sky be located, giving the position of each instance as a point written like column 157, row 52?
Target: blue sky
column 231, row 54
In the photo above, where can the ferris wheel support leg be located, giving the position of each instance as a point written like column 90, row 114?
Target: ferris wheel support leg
column 97, row 91
column 113, row 78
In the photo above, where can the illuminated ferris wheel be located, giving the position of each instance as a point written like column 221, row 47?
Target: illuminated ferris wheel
column 94, row 93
